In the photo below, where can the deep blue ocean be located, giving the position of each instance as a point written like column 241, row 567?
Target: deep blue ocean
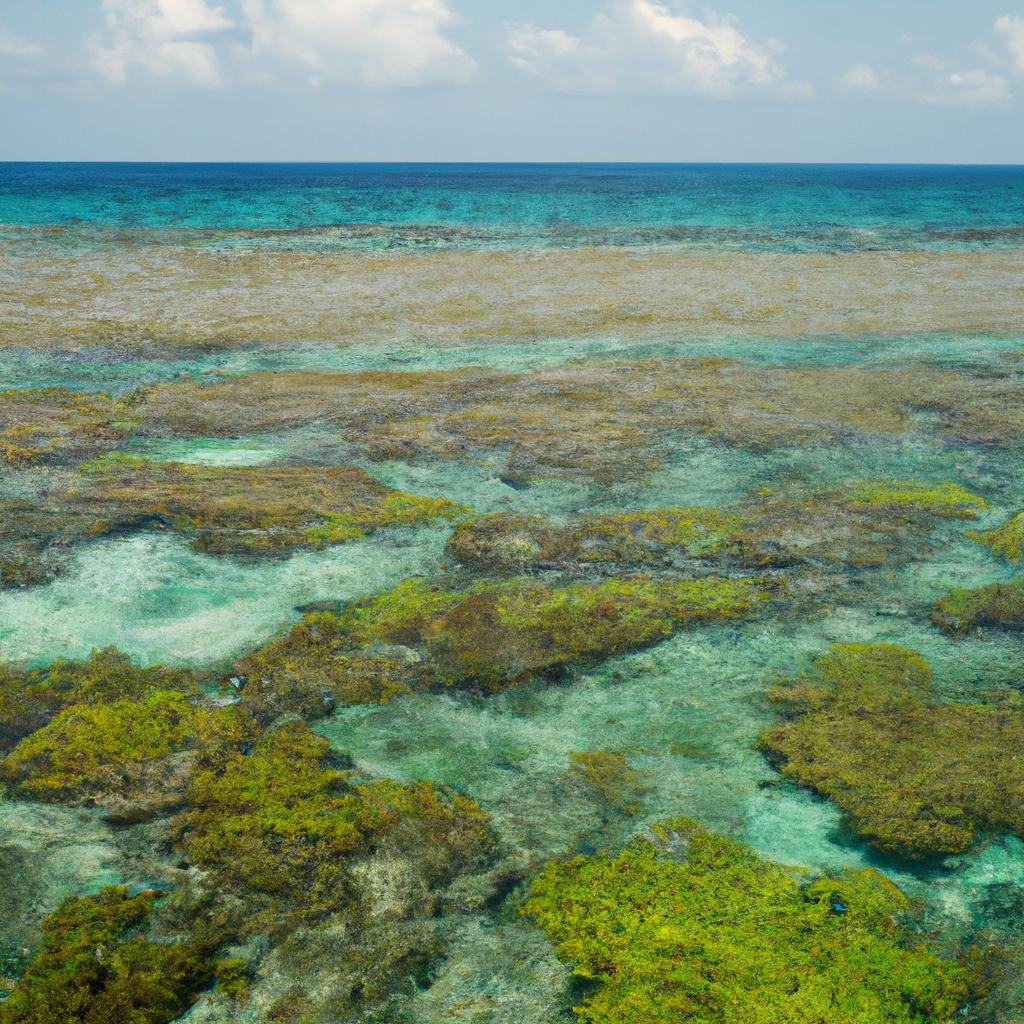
column 752, row 206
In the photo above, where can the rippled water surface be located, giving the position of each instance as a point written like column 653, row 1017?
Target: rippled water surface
column 118, row 278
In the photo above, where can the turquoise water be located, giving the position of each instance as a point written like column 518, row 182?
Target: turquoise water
column 686, row 712
column 760, row 207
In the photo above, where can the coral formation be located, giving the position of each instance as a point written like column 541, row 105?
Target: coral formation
column 687, row 925
column 1006, row 540
column 490, row 635
column 56, row 426
column 997, row 604
column 96, row 966
column 281, row 820
column 915, row 774
column 235, row 510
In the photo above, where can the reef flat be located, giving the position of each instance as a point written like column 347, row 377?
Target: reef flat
column 579, row 613
column 159, row 299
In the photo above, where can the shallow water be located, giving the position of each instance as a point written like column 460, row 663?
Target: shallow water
column 687, row 713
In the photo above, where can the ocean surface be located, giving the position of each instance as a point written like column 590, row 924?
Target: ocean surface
column 865, row 314
column 766, row 207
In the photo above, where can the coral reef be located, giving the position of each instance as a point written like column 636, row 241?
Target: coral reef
column 56, row 426
column 1006, row 540
column 687, row 925
column 487, row 636
column 997, row 604
column 97, row 967
column 282, row 821
column 236, row 510
column 916, row 775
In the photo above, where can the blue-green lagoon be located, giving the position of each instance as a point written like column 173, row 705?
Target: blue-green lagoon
column 479, row 520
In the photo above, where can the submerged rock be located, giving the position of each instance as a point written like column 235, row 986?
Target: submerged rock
column 485, row 637
column 863, row 523
column 57, row 426
column 29, row 699
column 1000, row 605
column 684, row 924
column 916, row 775
column 280, row 822
column 253, row 511
column 131, row 756
column 96, row 966
column 600, row 420
column 1006, row 540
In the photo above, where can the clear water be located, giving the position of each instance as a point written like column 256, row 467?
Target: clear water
column 687, row 712
column 760, row 206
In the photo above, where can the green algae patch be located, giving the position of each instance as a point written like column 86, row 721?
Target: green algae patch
column 280, row 820
column 916, row 775
column 29, row 699
column 251, row 509
column 89, row 748
column 245, row 511
column 999, row 605
column 496, row 634
column 944, row 499
column 313, row 669
column 56, row 426
column 687, row 925
column 1006, row 541
column 503, row 541
column 97, row 967
column 608, row 776
column 396, row 509
column 484, row 637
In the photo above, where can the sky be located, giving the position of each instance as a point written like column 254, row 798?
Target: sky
column 518, row 80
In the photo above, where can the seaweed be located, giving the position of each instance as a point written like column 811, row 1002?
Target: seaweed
column 279, row 819
column 998, row 605
column 133, row 751
column 1006, row 540
column 687, row 925
column 55, row 426
column 496, row 634
column 30, row 698
column 916, row 775
column 97, row 967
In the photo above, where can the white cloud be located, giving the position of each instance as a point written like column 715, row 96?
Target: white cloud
column 977, row 86
column 1011, row 27
column 375, row 43
column 12, row 45
column 861, row 78
column 160, row 37
column 648, row 46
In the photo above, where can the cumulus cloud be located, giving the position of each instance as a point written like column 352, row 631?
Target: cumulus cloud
column 12, row 45
column 165, row 37
column 976, row 86
column 861, row 78
column 1011, row 27
column 649, row 46
column 375, row 43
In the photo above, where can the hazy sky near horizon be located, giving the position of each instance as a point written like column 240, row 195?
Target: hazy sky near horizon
column 799, row 80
